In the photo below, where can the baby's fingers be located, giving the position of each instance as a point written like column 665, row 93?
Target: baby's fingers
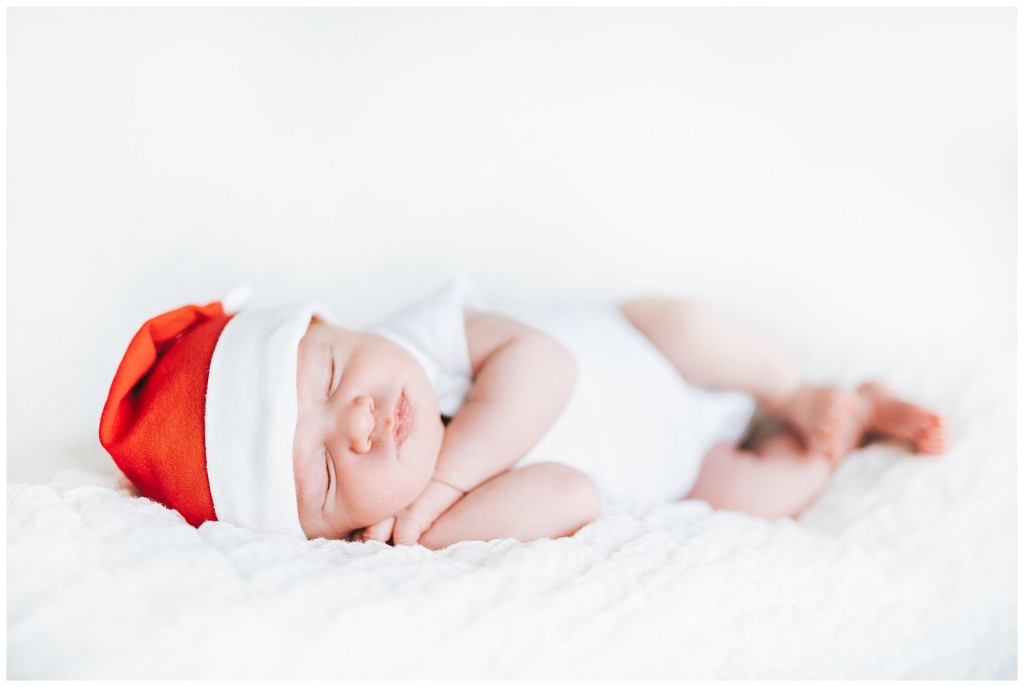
column 379, row 532
column 407, row 531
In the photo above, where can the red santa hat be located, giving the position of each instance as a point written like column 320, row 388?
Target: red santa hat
column 202, row 410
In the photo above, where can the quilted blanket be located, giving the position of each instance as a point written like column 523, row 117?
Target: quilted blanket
column 905, row 568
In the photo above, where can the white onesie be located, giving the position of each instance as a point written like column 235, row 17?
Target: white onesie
column 632, row 423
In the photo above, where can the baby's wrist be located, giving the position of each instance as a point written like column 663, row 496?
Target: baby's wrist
column 437, row 498
column 449, row 485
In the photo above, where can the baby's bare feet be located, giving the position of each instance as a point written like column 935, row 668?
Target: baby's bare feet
column 889, row 417
column 825, row 416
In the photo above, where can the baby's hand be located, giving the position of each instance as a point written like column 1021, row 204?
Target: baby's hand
column 409, row 525
column 405, row 527
column 378, row 532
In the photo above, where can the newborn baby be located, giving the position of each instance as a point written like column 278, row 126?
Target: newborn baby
column 451, row 422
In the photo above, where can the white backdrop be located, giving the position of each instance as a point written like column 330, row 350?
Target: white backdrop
column 843, row 178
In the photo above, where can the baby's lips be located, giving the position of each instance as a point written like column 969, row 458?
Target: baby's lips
column 400, row 418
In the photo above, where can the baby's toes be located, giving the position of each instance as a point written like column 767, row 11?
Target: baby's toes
column 931, row 438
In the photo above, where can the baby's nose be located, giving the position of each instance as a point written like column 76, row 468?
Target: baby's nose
column 359, row 424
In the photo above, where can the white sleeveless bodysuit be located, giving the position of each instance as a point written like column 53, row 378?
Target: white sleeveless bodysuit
column 632, row 423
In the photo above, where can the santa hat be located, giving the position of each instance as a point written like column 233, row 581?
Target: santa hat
column 202, row 410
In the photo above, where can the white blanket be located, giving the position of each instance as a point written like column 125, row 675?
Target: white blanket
column 906, row 568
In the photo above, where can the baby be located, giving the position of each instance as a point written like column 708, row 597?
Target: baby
column 452, row 422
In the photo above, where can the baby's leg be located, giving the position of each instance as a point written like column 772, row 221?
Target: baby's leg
column 779, row 477
column 783, row 475
column 780, row 480
column 710, row 350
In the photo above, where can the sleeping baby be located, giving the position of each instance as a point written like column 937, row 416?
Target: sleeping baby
column 450, row 421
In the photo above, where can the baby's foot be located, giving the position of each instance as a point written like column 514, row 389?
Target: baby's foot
column 889, row 417
column 825, row 416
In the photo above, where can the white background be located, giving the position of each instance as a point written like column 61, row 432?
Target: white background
column 844, row 178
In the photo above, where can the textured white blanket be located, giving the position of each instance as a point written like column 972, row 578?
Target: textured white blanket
column 906, row 568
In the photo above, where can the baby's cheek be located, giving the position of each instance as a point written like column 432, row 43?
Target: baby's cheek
column 384, row 499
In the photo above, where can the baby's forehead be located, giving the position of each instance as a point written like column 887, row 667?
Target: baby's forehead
column 324, row 328
column 320, row 330
column 321, row 338
column 311, row 346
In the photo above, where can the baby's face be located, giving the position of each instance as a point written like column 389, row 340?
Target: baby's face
column 368, row 431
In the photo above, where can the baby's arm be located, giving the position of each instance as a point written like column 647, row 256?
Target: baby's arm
column 522, row 380
column 533, row 502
